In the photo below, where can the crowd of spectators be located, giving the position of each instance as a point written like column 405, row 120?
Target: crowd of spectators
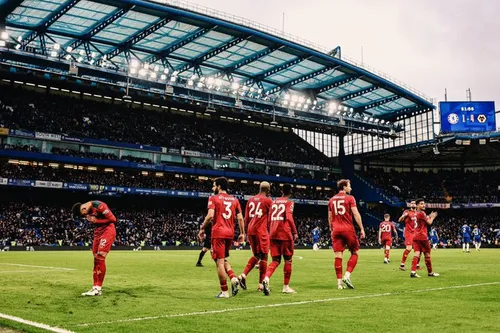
column 28, row 110
column 443, row 186
column 143, row 179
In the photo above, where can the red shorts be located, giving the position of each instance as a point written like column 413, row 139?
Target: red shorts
column 259, row 243
column 221, row 247
column 387, row 242
column 103, row 241
column 343, row 239
column 408, row 239
column 281, row 248
column 421, row 246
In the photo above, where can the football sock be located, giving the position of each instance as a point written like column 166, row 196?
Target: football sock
column 287, row 272
column 223, row 285
column 230, row 273
column 386, row 254
column 405, row 256
column 99, row 271
column 428, row 264
column 467, row 247
column 338, row 267
column 271, row 268
column 351, row 264
column 414, row 263
column 262, row 270
column 463, row 247
column 250, row 265
column 200, row 257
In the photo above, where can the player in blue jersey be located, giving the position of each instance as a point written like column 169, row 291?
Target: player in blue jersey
column 315, row 236
column 476, row 234
column 434, row 237
column 465, row 238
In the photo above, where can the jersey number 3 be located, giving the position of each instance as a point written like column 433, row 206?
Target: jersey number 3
column 227, row 211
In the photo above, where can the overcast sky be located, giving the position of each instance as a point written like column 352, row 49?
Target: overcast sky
column 428, row 44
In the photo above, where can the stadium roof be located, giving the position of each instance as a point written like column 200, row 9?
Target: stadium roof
column 196, row 45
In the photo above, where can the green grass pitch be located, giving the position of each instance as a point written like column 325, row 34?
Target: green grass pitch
column 169, row 294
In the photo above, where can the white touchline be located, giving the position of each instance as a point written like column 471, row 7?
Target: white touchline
column 199, row 313
column 34, row 324
column 33, row 266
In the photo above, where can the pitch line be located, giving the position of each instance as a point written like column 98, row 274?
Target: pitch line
column 34, row 324
column 34, row 266
column 199, row 313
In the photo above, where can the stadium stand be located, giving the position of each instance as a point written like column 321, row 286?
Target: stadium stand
column 24, row 109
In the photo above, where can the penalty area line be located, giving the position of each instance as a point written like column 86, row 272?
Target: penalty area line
column 34, row 324
column 199, row 313
column 34, row 266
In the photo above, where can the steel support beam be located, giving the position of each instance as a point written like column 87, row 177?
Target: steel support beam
column 184, row 41
column 298, row 80
column 274, row 70
column 358, row 93
column 47, row 22
column 136, row 38
column 212, row 53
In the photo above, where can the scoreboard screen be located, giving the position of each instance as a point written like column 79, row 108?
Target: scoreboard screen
column 467, row 116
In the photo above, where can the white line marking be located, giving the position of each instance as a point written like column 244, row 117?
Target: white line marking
column 199, row 313
column 35, row 324
column 32, row 271
column 33, row 266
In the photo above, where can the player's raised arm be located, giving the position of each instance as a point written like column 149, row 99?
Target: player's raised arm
column 431, row 217
column 104, row 210
column 402, row 217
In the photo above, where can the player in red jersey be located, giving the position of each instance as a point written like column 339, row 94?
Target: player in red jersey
column 409, row 218
column 98, row 213
column 385, row 231
column 222, row 210
column 256, row 224
column 283, row 234
column 421, row 239
column 341, row 209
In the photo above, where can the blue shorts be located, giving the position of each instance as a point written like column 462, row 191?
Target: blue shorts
column 477, row 239
column 434, row 240
column 315, row 240
column 466, row 240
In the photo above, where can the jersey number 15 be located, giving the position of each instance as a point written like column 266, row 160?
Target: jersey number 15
column 338, row 207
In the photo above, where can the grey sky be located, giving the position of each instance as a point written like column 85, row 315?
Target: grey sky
column 428, row 44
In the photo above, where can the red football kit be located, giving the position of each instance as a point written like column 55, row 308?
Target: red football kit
column 257, row 223
column 282, row 228
column 410, row 224
column 420, row 234
column 387, row 228
column 343, row 233
column 225, row 207
column 104, row 231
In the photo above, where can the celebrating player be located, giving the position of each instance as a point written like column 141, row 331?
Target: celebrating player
column 206, row 244
column 476, row 233
column 410, row 220
column 222, row 210
column 434, row 237
column 465, row 238
column 98, row 213
column 283, row 235
column 315, row 236
column 341, row 209
column 421, row 240
column 256, row 223
column 386, row 228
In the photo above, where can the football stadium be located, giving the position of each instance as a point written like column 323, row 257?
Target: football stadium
column 199, row 171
